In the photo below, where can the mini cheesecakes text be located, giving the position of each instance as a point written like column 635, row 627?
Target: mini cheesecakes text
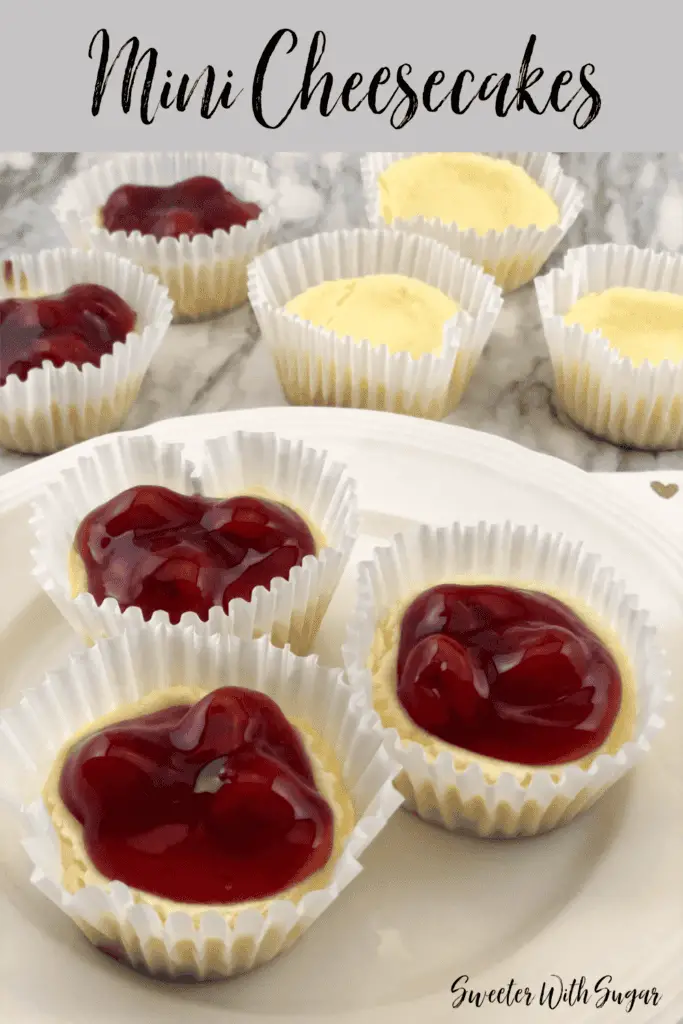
column 400, row 94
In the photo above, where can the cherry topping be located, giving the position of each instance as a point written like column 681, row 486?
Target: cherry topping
column 440, row 680
column 195, row 206
column 78, row 326
column 214, row 802
column 176, row 222
column 509, row 674
column 158, row 550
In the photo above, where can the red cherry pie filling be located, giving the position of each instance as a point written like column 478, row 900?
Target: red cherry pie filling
column 195, row 206
column 78, row 326
column 509, row 674
column 214, row 802
column 158, row 550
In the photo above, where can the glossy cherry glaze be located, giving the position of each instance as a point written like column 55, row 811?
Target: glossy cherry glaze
column 159, row 550
column 510, row 674
column 77, row 326
column 214, row 802
column 195, row 206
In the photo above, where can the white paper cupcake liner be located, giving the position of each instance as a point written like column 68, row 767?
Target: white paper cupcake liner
column 125, row 669
column 603, row 392
column 318, row 367
column 513, row 256
column 289, row 611
column 57, row 407
column 468, row 798
column 205, row 275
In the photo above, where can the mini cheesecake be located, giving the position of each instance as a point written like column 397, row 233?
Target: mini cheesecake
column 78, row 326
column 186, row 218
column 194, row 206
column 155, row 549
column 403, row 313
column 199, row 800
column 470, row 190
column 514, row 679
column 638, row 324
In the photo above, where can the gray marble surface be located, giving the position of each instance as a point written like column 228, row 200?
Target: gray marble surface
column 634, row 198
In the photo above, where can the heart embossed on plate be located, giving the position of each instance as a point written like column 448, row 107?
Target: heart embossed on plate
column 664, row 490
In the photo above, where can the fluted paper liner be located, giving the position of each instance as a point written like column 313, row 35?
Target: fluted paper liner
column 602, row 391
column 205, row 275
column 507, row 803
column 290, row 610
column 122, row 670
column 513, row 256
column 319, row 367
column 57, row 407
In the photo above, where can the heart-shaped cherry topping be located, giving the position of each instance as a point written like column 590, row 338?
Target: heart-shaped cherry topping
column 214, row 802
column 195, row 206
column 78, row 326
column 162, row 551
column 510, row 674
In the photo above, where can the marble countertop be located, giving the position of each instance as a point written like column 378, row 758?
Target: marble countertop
column 635, row 198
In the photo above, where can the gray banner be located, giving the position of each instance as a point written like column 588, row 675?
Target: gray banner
column 85, row 74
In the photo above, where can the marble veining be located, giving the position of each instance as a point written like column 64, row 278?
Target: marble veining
column 630, row 197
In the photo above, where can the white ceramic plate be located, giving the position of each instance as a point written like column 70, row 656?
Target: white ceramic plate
column 602, row 897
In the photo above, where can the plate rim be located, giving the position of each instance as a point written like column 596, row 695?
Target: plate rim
column 18, row 482
column 17, row 486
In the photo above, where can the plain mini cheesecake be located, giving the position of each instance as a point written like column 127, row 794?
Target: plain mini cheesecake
column 199, row 801
column 638, row 324
column 513, row 679
column 403, row 313
column 158, row 550
column 471, row 190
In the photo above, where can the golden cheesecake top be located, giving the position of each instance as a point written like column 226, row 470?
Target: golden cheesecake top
column 400, row 312
column 637, row 323
column 472, row 190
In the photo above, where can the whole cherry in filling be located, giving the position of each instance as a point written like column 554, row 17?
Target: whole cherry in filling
column 77, row 326
column 157, row 550
column 194, row 206
column 509, row 674
column 214, row 802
